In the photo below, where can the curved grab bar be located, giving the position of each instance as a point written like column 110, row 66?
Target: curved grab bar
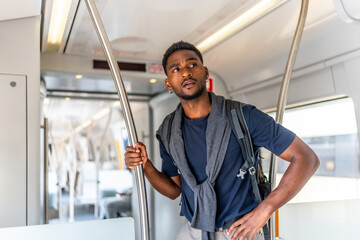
column 283, row 97
column 129, row 121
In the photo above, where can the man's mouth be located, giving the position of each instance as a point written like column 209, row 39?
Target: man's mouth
column 188, row 83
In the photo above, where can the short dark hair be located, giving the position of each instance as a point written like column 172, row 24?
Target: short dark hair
column 179, row 46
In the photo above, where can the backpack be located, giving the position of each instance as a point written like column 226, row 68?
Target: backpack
column 261, row 187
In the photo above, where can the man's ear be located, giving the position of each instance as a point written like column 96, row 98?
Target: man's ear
column 206, row 72
column 168, row 85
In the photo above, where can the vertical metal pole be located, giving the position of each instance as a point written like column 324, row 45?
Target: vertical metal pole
column 283, row 95
column 115, row 71
column 46, row 169
column 58, row 175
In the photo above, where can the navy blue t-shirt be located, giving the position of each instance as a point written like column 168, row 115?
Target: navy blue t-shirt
column 234, row 195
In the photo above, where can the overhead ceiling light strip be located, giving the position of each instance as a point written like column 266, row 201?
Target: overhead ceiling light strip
column 245, row 19
column 59, row 15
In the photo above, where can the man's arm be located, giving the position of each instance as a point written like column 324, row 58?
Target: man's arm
column 168, row 186
column 303, row 164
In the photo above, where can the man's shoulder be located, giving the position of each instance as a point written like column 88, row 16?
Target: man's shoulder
column 251, row 114
column 246, row 107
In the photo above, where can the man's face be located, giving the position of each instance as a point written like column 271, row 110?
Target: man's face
column 186, row 74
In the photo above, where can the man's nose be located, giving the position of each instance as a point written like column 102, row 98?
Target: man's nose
column 186, row 73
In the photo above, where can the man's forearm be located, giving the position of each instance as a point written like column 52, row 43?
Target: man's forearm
column 161, row 182
column 304, row 163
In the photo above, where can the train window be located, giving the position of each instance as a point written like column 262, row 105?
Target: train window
column 330, row 129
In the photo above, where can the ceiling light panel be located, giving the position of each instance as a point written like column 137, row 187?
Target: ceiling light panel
column 58, row 22
column 247, row 17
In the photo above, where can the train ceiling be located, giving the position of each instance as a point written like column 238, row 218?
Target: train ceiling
column 141, row 30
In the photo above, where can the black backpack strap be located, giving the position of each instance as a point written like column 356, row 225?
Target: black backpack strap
column 164, row 131
column 241, row 131
column 239, row 126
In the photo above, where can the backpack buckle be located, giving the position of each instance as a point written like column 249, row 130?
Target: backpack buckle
column 252, row 170
column 241, row 173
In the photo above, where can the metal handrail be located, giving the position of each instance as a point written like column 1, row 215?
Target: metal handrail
column 283, row 95
column 45, row 126
column 129, row 121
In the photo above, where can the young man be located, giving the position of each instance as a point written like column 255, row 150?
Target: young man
column 205, row 157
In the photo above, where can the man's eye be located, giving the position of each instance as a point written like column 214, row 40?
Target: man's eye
column 175, row 70
column 192, row 65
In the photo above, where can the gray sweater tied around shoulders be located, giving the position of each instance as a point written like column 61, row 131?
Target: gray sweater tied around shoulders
column 218, row 133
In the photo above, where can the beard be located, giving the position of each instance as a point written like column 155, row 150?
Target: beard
column 193, row 96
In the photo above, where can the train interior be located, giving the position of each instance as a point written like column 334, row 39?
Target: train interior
column 63, row 130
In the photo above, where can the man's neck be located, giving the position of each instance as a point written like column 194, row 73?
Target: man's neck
column 197, row 108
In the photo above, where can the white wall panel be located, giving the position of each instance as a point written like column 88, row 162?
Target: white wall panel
column 317, row 85
column 20, row 55
column 109, row 229
column 331, row 220
column 320, row 84
column 13, row 154
column 352, row 76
